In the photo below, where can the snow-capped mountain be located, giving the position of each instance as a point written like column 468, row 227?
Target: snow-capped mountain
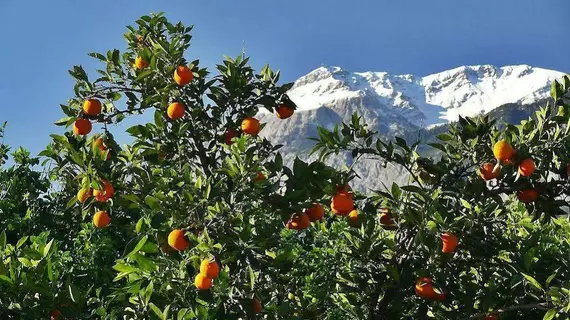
column 401, row 104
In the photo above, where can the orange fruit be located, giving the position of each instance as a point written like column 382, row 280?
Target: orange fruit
column 527, row 167
column 106, row 193
column 316, row 212
column 209, row 268
column 299, row 221
column 175, row 110
column 425, row 290
column 284, row 111
column 140, row 63
column 101, row 219
column 55, row 315
column 256, row 305
column 488, row 171
column 450, row 242
column 259, row 177
column 250, row 126
column 229, row 135
column 527, row 195
column 353, row 218
column 177, row 240
column 183, row 75
column 386, row 221
column 568, row 170
column 82, row 127
column 92, row 107
column 503, row 150
column 342, row 204
column 83, row 194
column 491, row 316
column 100, row 144
column 202, row 282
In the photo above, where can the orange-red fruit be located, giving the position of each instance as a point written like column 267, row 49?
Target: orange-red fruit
column 100, row 144
column 175, row 110
column 259, row 177
column 527, row 195
column 83, row 194
column 250, row 126
column 568, row 170
column 55, row 315
column 256, row 305
column 101, row 219
column 229, row 135
column 299, row 221
column 527, row 167
column 316, row 212
column 183, row 75
column 488, row 171
column 284, row 111
column 424, row 289
column 177, row 240
column 92, row 107
column 106, row 193
column 82, row 127
column 353, row 218
column 386, row 221
column 140, row 63
column 342, row 204
column 202, row 282
column 503, row 150
column 491, row 316
column 209, row 268
column 450, row 242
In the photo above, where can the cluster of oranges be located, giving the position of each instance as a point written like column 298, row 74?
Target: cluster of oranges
column 101, row 219
column 209, row 270
column 301, row 221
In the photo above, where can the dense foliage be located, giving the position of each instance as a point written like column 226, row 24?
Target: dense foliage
column 199, row 218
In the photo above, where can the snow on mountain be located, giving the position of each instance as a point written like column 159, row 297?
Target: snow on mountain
column 429, row 100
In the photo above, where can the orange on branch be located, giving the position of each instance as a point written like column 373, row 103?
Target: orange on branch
column 527, row 195
column 140, row 63
column 503, row 150
column 175, row 111
column 177, row 240
column 450, row 242
column 425, row 289
column 92, row 107
column 55, row 315
column 229, row 135
column 284, row 111
column 100, row 144
column 210, row 268
column 316, row 212
column 256, row 305
column 342, row 204
column 488, row 171
column 106, row 193
column 82, row 127
column 183, row 75
column 353, row 218
column 101, row 219
column 202, row 282
column 491, row 316
column 259, row 177
column 83, row 194
column 527, row 167
column 386, row 221
column 250, row 126
column 299, row 221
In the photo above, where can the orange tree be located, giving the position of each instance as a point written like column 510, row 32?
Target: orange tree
column 481, row 232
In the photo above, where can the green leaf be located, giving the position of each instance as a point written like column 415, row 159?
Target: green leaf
column 152, row 202
column 64, row 121
column 550, row 278
column 138, row 246
column 47, row 247
column 533, row 282
column 21, row 242
column 556, row 90
column 396, row 192
column 550, row 314
column 156, row 310
column 466, row 204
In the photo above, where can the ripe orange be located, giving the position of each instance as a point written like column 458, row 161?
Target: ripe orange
column 229, row 135
column 101, row 219
column 424, row 289
column 250, row 126
column 284, row 111
column 175, row 110
column 342, row 203
column 177, row 240
column 140, row 63
column 183, row 75
column 92, row 107
column 316, row 212
column 55, row 315
column 256, row 305
column 527, row 195
column 82, row 127
column 450, row 242
column 106, row 193
column 299, row 221
column 100, row 144
column 353, row 219
column 259, row 177
column 491, row 316
column 83, row 194
column 527, row 167
column 202, row 282
column 503, row 150
column 488, row 171
column 209, row 268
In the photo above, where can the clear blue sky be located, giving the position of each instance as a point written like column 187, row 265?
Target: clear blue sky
column 41, row 40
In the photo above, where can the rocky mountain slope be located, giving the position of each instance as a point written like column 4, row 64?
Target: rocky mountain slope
column 403, row 105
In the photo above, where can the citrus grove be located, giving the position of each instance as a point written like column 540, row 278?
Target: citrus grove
column 199, row 218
